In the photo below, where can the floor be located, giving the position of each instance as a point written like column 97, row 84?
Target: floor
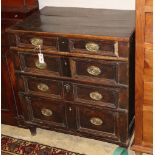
column 64, row 141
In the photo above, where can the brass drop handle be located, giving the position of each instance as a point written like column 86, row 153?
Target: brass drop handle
column 43, row 87
column 67, row 88
column 96, row 96
column 40, row 65
column 96, row 121
column 92, row 47
column 36, row 42
column 46, row 112
column 94, row 70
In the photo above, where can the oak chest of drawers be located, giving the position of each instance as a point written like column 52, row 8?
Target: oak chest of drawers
column 85, row 85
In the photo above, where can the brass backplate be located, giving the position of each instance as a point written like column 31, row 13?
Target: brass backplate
column 43, row 87
column 46, row 112
column 96, row 96
column 92, row 47
column 93, row 70
column 96, row 121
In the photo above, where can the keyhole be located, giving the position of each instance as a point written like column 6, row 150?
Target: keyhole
column 67, row 87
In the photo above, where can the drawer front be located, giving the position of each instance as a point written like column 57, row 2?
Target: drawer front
column 95, row 121
column 100, row 71
column 28, row 41
column 40, row 86
column 99, row 47
column 30, row 63
column 96, row 95
column 93, row 69
column 44, row 111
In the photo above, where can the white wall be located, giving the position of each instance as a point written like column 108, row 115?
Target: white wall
column 108, row 4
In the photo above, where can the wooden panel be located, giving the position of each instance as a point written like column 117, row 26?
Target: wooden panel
column 144, row 87
column 73, row 22
column 148, row 125
column 149, row 27
column 44, row 111
column 7, row 100
column 23, row 40
column 41, row 86
column 148, row 66
column 10, row 5
column 139, row 66
column 103, row 47
column 148, row 93
column 30, row 63
column 94, row 70
column 114, row 72
column 102, row 96
column 85, row 116
column 149, row 2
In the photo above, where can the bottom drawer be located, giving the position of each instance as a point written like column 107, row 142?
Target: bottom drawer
column 109, row 125
column 96, row 121
column 44, row 111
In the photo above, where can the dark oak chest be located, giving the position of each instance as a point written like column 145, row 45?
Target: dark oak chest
column 86, row 84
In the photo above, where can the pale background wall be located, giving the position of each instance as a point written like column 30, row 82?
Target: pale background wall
column 107, row 4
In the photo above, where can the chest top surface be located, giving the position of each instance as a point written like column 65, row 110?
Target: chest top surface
column 79, row 21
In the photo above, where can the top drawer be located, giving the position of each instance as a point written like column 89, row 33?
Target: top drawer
column 100, row 47
column 81, row 46
column 25, row 40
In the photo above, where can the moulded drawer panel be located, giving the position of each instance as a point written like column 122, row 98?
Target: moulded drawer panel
column 100, row 47
column 24, row 40
column 96, row 120
column 30, row 63
column 44, row 111
column 100, row 71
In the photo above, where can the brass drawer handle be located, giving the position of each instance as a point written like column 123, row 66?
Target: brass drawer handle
column 96, row 96
column 43, row 87
column 36, row 42
column 92, row 47
column 40, row 65
column 93, row 70
column 46, row 112
column 96, row 121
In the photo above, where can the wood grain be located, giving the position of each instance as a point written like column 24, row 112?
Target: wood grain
column 148, row 66
column 77, row 21
column 139, row 65
column 144, row 77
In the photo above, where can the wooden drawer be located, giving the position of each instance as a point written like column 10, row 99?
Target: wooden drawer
column 29, row 62
column 25, row 40
column 96, row 121
column 96, row 95
column 99, row 47
column 40, row 86
column 43, row 111
column 111, row 72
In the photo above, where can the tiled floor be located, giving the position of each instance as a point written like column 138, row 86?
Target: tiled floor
column 64, row 141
